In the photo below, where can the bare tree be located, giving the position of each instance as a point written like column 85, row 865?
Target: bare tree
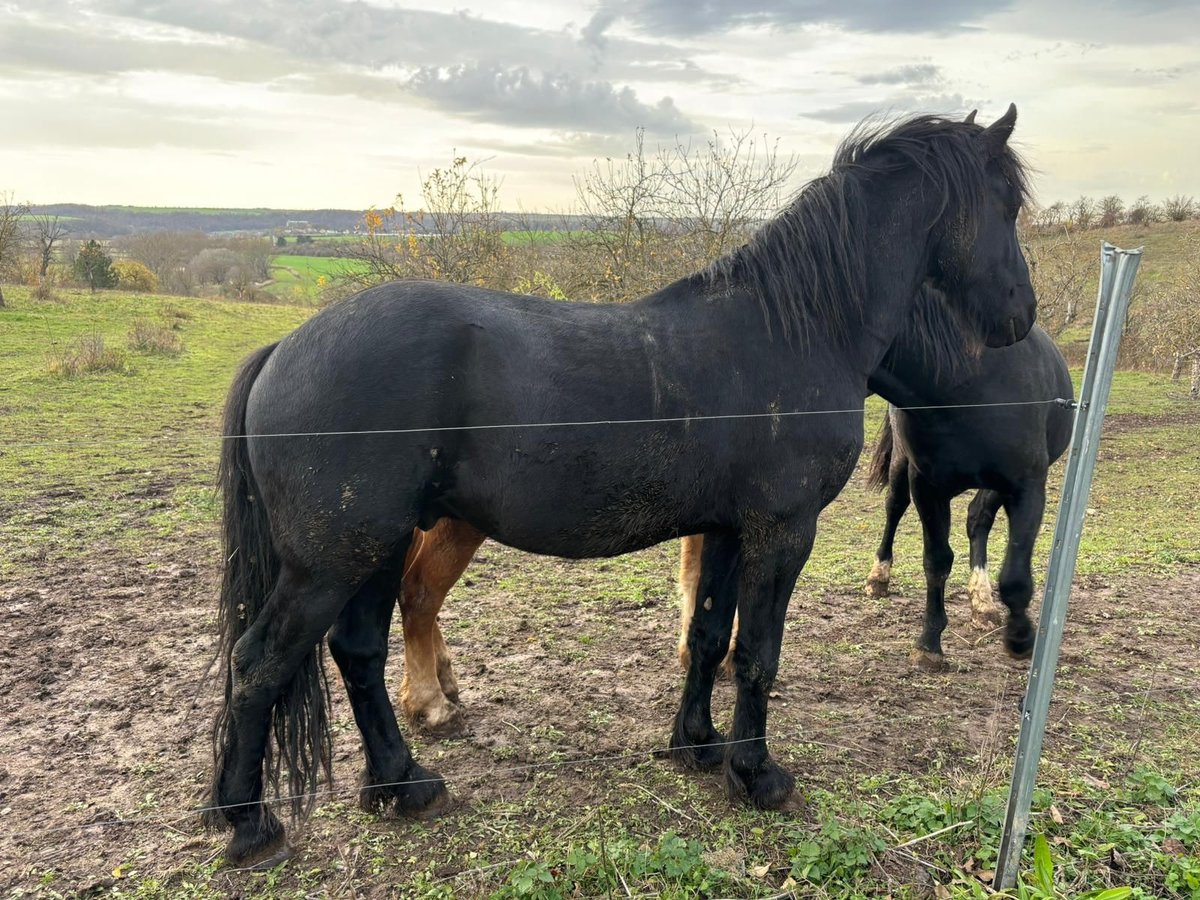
column 655, row 218
column 1143, row 212
column 456, row 235
column 166, row 254
column 1059, row 274
column 718, row 193
column 1168, row 319
column 12, row 215
column 1083, row 213
column 1179, row 208
column 1111, row 208
column 618, row 210
column 48, row 231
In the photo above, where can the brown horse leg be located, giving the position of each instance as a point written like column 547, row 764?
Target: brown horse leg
column 435, row 562
column 691, row 549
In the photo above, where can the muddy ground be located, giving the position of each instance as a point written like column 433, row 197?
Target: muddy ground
column 106, row 710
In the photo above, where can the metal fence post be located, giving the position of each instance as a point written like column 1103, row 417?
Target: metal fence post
column 1117, row 271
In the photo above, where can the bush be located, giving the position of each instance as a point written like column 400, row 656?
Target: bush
column 134, row 276
column 85, row 354
column 150, row 337
column 93, row 266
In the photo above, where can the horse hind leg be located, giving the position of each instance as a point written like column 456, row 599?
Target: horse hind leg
column 275, row 664
column 429, row 691
column 898, row 497
column 695, row 742
column 986, row 612
column 691, row 550
column 359, row 644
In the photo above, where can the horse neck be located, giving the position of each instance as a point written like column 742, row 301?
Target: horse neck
column 897, row 262
column 908, row 375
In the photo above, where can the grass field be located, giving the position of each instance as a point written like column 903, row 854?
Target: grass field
column 301, row 278
column 108, row 561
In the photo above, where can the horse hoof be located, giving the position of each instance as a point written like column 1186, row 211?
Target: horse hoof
column 444, row 720
column 1020, row 653
column 987, row 618
column 1019, row 639
column 257, row 845
column 771, row 787
column 423, row 796
column 929, row 661
column 685, row 657
column 879, row 580
column 698, row 756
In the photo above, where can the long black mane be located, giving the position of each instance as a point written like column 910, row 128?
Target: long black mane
column 936, row 337
column 808, row 264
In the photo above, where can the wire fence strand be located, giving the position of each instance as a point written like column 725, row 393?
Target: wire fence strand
column 179, row 438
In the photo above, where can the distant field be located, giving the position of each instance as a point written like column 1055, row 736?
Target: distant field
column 300, row 277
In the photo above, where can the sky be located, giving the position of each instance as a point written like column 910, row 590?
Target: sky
column 346, row 103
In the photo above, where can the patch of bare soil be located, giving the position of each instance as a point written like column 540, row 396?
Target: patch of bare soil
column 106, row 710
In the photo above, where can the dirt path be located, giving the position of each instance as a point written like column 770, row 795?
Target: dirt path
column 105, row 712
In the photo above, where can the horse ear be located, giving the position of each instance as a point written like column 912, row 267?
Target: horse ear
column 970, row 119
column 997, row 134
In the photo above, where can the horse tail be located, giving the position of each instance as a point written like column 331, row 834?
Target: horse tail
column 302, row 740
column 881, row 459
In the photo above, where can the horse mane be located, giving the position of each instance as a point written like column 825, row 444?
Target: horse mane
column 943, row 342
column 808, row 264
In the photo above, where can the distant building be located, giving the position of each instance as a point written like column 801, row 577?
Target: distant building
column 298, row 226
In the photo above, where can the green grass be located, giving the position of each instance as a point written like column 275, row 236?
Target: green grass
column 102, row 442
column 303, row 277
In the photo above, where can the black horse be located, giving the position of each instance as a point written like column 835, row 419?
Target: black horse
column 415, row 401
column 933, row 455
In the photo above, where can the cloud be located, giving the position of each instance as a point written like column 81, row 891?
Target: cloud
column 521, row 97
column 688, row 18
column 917, row 73
column 896, row 104
column 366, row 35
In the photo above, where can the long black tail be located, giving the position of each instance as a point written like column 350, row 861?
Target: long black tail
column 881, row 459
column 302, row 743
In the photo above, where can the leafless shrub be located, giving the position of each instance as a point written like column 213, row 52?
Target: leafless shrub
column 154, row 338
column 1179, row 208
column 1111, row 209
column 85, row 355
column 1143, row 212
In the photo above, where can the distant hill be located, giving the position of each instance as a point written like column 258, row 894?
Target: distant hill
column 112, row 221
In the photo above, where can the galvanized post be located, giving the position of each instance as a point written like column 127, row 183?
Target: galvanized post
column 1117, row 271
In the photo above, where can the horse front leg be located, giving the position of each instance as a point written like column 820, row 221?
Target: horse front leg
column 981, row 515
column 767, row 580
column 1024, row 511
column 695, row 743
column 934, row 509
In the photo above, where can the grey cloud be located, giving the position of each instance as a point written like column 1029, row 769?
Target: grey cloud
column 519, row 96
column 31, row 50
column 902, row 104
column 687, row 18
column 917, row 73
column 365, row 35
